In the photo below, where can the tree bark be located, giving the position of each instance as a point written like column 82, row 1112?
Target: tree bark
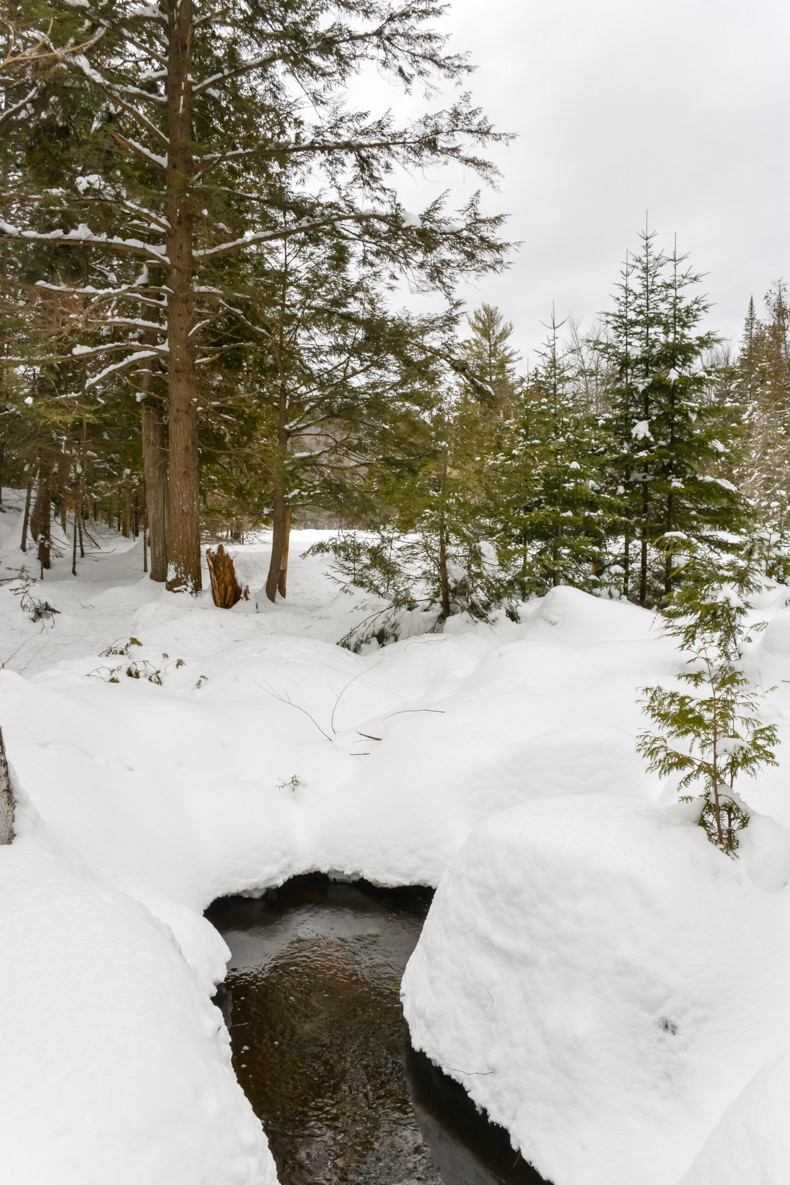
column 225, row 588
column 6, row 798
column 41, row 518
column 183, row 518
column 26, row 515
column 444, row 576
column 277, row 579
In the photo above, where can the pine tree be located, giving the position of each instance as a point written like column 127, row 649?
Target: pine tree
column 200, row 155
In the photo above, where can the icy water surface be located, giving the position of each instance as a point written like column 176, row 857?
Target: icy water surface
column 322, row 1050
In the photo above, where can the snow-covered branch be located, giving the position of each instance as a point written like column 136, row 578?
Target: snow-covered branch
column 7, row 115
column 110, row 92
column 285, row 232
column 114, row 367
column 84, row 237
column 151, row 158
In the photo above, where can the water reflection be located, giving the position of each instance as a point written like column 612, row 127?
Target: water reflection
column 322, row 1051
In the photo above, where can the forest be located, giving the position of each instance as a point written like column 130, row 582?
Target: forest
column 200, row 339
column 509, row 628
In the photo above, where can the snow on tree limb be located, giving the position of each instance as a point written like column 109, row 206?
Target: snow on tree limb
column 83, row 236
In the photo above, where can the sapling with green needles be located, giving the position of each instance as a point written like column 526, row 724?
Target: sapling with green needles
column 712, row 733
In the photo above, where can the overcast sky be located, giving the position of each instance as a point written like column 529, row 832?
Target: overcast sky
column 678, row 107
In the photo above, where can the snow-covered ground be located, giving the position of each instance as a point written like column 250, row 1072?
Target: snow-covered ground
column 602, row 981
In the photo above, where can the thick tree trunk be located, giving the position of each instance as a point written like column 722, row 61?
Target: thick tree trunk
column 277, row 580
column 183, row 513
column 6, row 798
column 154, row 438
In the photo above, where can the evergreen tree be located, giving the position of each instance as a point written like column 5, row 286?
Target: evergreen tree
column 763, row 374
column 488, row 361
column 555, row 523
column 670, row 444
column 711, row 735
column 200, row 153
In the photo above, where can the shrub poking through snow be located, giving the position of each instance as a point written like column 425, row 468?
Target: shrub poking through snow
column 36, row 609
column 713, row 733
column 138, row 668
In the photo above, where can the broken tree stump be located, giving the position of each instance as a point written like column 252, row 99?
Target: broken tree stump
column 225, row 588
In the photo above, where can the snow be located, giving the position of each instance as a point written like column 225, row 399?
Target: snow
column 578, row 907
column 751, row 1142
column 602, row 981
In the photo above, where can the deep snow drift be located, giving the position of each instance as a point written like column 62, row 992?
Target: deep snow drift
column 579, row 911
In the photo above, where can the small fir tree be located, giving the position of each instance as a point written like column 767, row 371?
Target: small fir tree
column 713, row 733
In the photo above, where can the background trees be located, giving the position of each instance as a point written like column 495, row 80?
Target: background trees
column 557, row 512
column 763, row 384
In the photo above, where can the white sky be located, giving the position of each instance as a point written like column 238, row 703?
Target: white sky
column 676, row 107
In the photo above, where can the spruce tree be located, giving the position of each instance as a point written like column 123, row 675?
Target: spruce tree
column 670, row 443
column 555, row 525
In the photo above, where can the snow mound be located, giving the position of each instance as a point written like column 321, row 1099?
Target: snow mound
column 574, row 617
column 595, row 974
column 116, row 1067
column 751, row 1141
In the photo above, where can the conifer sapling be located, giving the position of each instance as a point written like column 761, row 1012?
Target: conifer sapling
column 713, row 733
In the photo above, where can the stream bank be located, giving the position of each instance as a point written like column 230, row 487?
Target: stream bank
column 322, row 1051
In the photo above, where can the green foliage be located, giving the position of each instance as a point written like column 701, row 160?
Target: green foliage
column 712, row 734
column 556, row 513
column 670, row 442
column 762, row 381
column 372, row 563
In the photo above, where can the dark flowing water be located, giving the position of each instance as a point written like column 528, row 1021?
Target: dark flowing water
column 322, row 1051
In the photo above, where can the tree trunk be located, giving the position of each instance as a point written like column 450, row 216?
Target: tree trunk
column 277, row 579
column 444, row 578
column 126, row 513
column 41, row 518
column 155, row 468
column 183, row 516
column 77, row 512
column 6, row 798
column 26, row 515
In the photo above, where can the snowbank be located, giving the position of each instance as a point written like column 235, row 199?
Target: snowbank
column 751, row 1142
column 268, row 751
column 603, row 982
column 116, row 1067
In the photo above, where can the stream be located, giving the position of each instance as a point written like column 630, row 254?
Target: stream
column 322, row 1051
